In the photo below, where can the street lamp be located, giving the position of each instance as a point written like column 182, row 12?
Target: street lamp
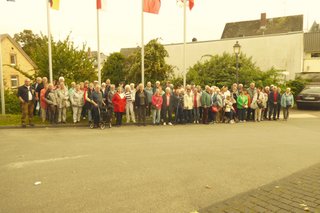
column 236, row 50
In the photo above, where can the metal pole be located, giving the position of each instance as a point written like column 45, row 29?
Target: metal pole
column 49, row 42
column 142, row 44
column 184, row 42
column 237, row 67
column 3, row 109
column 98, row 53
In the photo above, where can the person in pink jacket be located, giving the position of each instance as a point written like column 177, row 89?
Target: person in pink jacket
column 156, row 106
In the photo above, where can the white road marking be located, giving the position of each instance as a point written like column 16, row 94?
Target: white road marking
column 19, row 165
column 302, row 116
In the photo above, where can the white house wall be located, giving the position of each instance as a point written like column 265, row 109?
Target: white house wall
column 283, row 52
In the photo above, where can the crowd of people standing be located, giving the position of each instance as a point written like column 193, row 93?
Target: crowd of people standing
column 166, row 105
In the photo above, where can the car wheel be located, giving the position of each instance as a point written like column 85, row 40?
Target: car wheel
column 299, row 106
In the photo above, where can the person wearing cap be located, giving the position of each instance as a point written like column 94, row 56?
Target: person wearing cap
column 26, row 97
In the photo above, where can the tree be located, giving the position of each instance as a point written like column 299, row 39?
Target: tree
column 67, row 60
column 155, row 66
column 114, row 68
column 315, row 27
column 220, row 70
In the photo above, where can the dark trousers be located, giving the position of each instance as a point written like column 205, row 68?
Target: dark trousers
column 205, row 115
column 84, row 111
column 188, row 115
column 179, row 115
column 52, row 111
column 141, row 114
column 210, row 115
column 273, row 109
column 278, row 112
column 242, row 114
column 286, row 112
column 250, row 114
column 110, row 114
column 95, row 115
column 166, row 114
column 27, row 110
column 200, row 112
column 148, row 111
column 118, row 118
column 229, row 115
column 266, row 110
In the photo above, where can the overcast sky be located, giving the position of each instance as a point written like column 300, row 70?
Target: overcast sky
column 121, row 20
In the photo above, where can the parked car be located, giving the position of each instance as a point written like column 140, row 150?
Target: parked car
column 309, row 97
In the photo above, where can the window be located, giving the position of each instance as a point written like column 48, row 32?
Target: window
column 315, row 55
column 14, row 81
column 13, row 59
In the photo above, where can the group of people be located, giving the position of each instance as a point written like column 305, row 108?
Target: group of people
column 192, row 104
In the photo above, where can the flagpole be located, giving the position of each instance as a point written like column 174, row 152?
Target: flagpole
column 3, row 109
column 98, row 41
column 142, row 43
column 184, row 41
column 49, row 42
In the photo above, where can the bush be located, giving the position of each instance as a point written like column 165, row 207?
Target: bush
column 12, row 104
column 296, row 85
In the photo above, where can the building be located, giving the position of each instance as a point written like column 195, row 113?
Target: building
column 273, row 42
column 94, row 55
column 16, row 64
column 263, row 26
column 311, row 52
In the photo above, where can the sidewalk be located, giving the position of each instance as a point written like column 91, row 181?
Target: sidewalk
column 299, row 192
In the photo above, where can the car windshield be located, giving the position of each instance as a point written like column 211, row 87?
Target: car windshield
column 311, row 90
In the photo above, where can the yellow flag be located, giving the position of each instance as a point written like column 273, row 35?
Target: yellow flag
column 55, row 4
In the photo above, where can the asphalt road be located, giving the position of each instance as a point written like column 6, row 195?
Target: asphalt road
column 161, row 169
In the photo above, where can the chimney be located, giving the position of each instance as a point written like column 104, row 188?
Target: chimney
column 263, row 21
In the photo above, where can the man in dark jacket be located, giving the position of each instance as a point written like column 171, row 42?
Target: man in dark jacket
column 141, row 104
column 273, row 100
column 26, row 98
column 167, row 107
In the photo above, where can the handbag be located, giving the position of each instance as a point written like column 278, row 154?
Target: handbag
column 214, row 109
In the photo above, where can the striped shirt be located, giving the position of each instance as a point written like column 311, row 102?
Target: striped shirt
column 128, row 96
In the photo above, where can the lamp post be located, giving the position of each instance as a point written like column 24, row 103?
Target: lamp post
column 236, row 50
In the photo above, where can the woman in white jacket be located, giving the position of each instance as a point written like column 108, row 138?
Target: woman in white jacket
column 258, row 104
column 188, row 105
column 77, row 102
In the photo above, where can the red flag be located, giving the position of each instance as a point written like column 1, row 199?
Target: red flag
column 100, row 4
column 152, row 6
column 191, row 4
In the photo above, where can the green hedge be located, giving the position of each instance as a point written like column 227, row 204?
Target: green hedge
column 12, row 104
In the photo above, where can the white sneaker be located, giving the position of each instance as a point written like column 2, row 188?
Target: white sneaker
column 164, row 124
column 170, row 124
column 232, row 122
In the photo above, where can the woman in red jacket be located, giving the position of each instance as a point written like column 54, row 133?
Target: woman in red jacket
column 119, row 105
